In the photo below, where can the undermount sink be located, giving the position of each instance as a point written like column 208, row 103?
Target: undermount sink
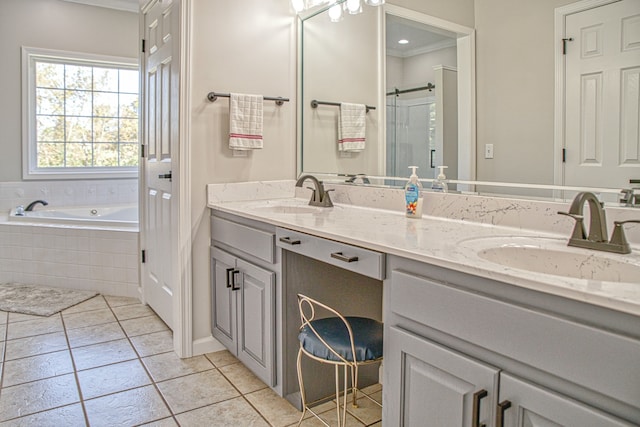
column 553, row 256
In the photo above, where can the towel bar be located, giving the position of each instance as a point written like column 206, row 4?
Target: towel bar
column 213, row 96
column 315, row 103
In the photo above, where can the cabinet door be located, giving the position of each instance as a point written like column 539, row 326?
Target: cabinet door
column 533, row 406
column 430, row 385
column 223, row 316
column 256, row 320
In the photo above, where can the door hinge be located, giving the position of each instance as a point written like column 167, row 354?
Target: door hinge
column 142, row 150
column 564, row 155
column 144, row 256
column 564, row 44
column 143, row 45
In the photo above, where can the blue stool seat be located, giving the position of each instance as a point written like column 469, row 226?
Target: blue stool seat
column 367, row 335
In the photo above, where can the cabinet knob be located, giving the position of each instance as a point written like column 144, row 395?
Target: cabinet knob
column 502, row 407
column 340, row 256
column 477, row 396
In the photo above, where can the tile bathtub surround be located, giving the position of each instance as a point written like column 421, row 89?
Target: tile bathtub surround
column 68, row 193
column 83, row 367
column 98, row 260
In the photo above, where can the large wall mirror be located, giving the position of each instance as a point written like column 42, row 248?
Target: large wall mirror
column 526, row 109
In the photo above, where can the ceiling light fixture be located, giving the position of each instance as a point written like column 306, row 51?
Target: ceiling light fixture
column 353, row 7
column 403, row 41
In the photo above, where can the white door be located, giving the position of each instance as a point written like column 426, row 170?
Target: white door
column 602, row 96
column 161, row 97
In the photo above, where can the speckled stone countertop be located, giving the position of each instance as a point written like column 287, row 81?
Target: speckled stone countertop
column 455, row 244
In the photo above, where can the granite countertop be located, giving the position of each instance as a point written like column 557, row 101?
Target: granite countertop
column 456, row 244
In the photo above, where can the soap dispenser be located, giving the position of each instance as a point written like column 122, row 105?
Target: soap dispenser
column 413, row 195
column 439, row 184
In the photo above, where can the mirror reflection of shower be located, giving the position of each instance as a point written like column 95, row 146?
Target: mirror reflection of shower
column 411, row 127
column 421, row 92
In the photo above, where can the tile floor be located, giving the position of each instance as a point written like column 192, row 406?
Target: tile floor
column 109, row 362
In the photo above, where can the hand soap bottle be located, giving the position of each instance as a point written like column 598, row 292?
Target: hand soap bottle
column 439, row 184
column 413, row 195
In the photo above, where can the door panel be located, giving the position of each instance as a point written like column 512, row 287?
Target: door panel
column 602, row 112
column 432, row 385
column 256, row 320
column 223, row 321
column 533, row 406
column 161, row 140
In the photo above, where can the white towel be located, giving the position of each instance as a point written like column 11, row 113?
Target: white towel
column 245, row 121
column 351, row 127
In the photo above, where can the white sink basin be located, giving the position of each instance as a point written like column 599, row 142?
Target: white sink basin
column 553, row 256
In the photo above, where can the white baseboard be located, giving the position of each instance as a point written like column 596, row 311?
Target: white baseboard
column 206, row 345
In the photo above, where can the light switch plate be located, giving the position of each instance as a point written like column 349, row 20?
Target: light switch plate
column 488, row 151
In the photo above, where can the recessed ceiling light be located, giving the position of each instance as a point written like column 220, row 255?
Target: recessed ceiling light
column 403, row 41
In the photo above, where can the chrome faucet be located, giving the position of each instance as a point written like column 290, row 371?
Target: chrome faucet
column 597, row 237
column 319, row 197
column 31, row 205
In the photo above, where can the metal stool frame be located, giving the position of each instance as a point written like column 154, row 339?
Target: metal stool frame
column 306, row 319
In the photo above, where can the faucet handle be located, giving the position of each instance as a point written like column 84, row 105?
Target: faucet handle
column 578, row 231
column 618, row 238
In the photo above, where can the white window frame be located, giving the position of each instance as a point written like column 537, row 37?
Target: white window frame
column 29, row 150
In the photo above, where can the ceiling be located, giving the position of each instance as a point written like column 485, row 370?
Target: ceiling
column 422, row 38
column 126, row 5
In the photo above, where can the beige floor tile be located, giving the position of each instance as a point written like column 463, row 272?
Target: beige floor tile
column 95, row 303
column 143, row 325
column 112, row 378
column 28, row 328
column 88, row 318
column 116, row 409
column 377, row 397
column 196, row 390
column 275, row 409
column 21, row 317
column 102, row 354
column 133, row 311
column 168, row 365
column 3, row 332
column 372, row 389
column 39, row 367
column 367, row 411
column 165, row 422
column 95, row 334
column 4, row 317
column 39, row 344
column 114, row 301
column 67, row 416
column 230, row 413
column 222, row 358
column 155, row 343
column 29, row 398
column 331, row 418
column 242, row 378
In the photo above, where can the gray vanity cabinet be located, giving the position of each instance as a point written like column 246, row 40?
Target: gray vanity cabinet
column 466, row 351
column 243, row 296
column 434, row 383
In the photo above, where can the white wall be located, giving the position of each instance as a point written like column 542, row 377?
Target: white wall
column 51, row 24
column 237, row 46
column 458, row 11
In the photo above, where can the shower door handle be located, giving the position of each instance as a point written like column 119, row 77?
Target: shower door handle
column 433, row 152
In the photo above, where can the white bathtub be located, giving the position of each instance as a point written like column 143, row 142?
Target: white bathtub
column 120, row 216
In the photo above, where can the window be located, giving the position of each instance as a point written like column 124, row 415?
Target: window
column 80, row 114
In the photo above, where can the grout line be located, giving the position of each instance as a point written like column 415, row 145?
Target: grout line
column 75, row 371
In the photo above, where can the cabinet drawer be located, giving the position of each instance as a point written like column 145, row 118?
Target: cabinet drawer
column 247, row 239
column 353, row 258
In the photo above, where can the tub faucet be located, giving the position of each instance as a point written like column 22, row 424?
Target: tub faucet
column 31, row 205
column 319, row 197
column 597, row 237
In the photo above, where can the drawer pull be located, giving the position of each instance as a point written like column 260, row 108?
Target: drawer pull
column 231, row 278
column 477, row 396
column 288, row 241
column 341, row 257
column 502, row 407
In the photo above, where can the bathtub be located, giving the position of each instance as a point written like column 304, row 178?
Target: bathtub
column 86, row 247
column 119, row 216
